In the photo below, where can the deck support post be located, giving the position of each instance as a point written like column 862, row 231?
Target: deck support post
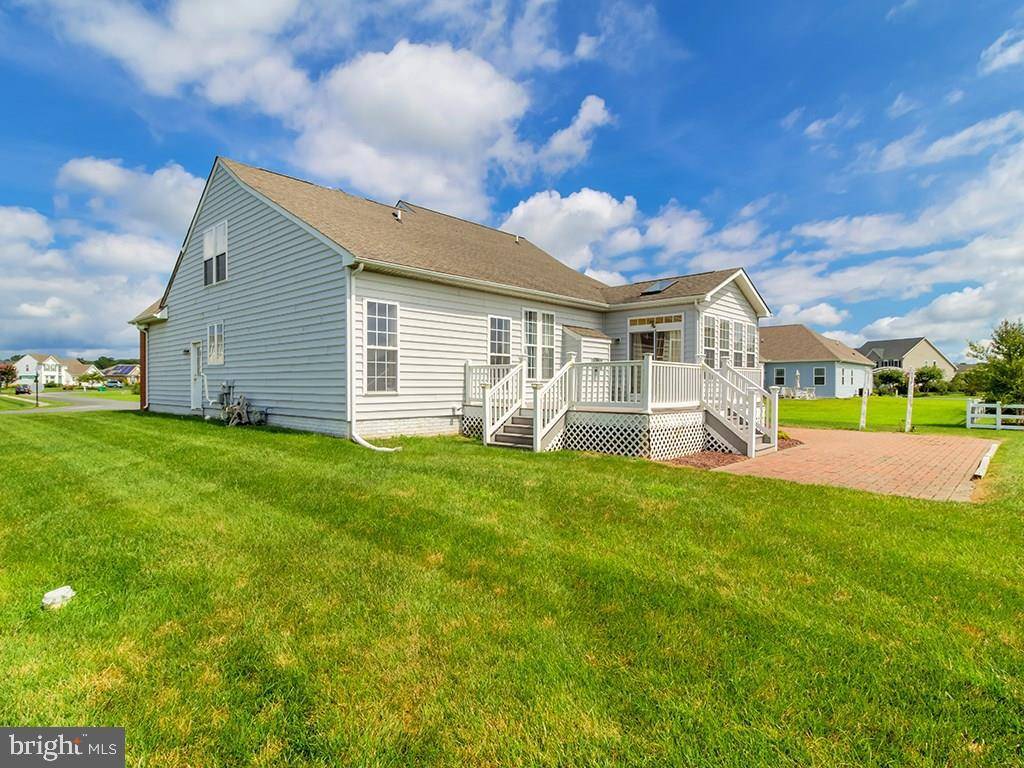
column 465, row 382
column 536, row 416
column 485, row 387
column 775, row 416
column 752, row 422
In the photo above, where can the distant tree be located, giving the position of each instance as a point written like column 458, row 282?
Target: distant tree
column 927, row 378
column 890, row 381
column 1001, row 373
column 90, row 378
column 969, row 381
column 104, row 362
column 8, row 374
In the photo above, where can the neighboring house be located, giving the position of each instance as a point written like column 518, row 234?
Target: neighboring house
column 127, row 373
column 341, row 315
column 905, row 354
column 52, row 369
column 795, row 356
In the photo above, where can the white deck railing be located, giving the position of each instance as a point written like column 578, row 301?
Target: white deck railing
column 502, row 400
column 609, row 384
column 478, row 375
column 675, row 385
column 551, row 401
column 637, row 386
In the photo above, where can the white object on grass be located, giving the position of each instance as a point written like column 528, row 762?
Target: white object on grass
column 55, row 598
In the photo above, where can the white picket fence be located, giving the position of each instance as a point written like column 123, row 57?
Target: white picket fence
column 994, row 415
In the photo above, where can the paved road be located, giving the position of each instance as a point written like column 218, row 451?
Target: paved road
column 76, row 403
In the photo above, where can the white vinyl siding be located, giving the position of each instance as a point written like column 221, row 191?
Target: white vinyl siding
column 442, row 328
column 283, row 308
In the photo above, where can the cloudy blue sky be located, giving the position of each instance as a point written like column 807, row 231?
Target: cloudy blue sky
column 864, row 161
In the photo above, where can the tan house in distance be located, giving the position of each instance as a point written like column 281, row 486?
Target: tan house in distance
column 905, row 354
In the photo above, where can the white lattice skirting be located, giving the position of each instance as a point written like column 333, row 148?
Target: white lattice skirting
column 658, row 436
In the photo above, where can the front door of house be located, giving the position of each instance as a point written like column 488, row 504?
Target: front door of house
column 196, row 371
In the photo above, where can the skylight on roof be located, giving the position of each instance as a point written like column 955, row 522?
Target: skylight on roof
column 658, row 287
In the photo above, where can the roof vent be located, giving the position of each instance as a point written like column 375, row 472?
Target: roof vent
column 658, row 287
column 517, row 239
column 397, row 213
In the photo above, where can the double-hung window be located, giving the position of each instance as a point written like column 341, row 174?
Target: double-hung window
column 751, row 346
column 780, row 377
column 500, row 341
column 710, row 328
column 381, row 347
column 539, row 343
column 215, row 343
column 819, row 377
column 215, row 254
column 723, row 343
column 739, row 330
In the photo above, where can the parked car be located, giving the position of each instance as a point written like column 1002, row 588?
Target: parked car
column 113, row 384
column 22, row 389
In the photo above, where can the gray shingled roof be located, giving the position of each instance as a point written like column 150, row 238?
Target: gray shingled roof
column 889, row 349
column 799, row 344
column 423, row 239
column 589, row 333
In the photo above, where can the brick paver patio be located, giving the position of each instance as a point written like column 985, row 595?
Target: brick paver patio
column 923, row 466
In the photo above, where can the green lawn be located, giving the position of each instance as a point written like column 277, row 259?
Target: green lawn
column 273, row 598
column 24, row 401
column 111, row 394
column 884, row 413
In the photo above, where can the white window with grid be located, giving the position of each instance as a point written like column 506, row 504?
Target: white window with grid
column 500, row 341
column 739, row 331
column 381, row 347
column 215, row 343
column 215, row 254
column 751, row 346
column 539, row 343
column 819, row 377
column 780, row 377
column 724, row 344
column 710, row 339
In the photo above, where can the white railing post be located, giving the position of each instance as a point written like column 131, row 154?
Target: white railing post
column 752, row 422
column 970, row 413
column 908, row 423
column 647, row 383
column 999, row 415
column 775, row 416
column 466, row 373
column 485, row 387
column 537, row 420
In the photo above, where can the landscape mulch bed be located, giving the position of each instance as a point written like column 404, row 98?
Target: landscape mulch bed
column 714, row 459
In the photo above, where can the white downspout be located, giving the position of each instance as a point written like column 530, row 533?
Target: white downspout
column 350, row 362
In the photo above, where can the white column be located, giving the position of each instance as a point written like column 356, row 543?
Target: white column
column 864, row 407
column 908, row 424
column 775, row 416
column 465, row 383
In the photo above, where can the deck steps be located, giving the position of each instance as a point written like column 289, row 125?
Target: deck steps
column 517, row 432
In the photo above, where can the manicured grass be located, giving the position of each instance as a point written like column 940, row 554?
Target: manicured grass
column 884, row 413
column 111, row 394
column 273, row 598
column 19, row 402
